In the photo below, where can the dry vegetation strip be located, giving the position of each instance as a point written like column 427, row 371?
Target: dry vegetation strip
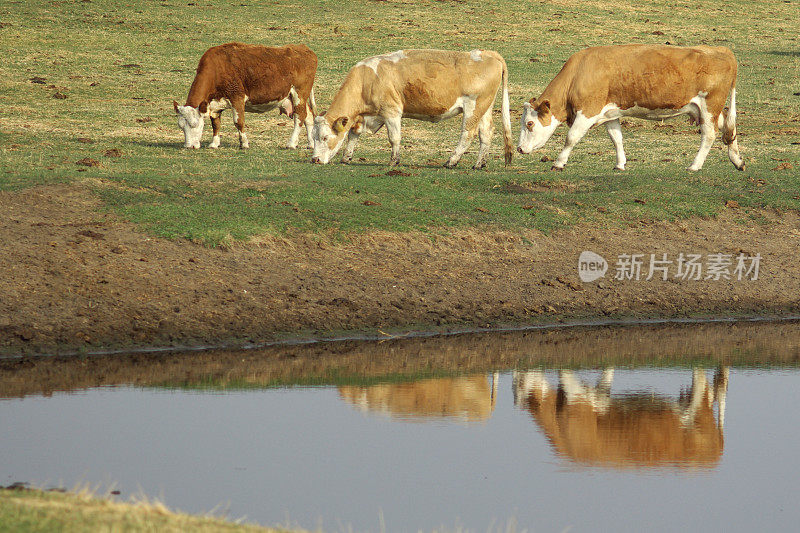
column 25, row 510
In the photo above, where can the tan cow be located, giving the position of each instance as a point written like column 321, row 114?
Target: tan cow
column 589, row 426
column 603, row 84
column 244, row 77
column 466, row 398
column 430, row 85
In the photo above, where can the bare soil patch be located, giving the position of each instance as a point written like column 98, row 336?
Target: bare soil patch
column 76, row 278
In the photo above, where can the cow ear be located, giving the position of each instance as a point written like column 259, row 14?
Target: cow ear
column 544, row 107
column 202, row 108
column 339, row 124
column 175, row 105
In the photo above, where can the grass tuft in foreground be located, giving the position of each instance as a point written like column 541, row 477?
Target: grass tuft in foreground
column 25, row 510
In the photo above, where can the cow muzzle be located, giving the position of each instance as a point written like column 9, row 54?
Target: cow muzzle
column 316, row 160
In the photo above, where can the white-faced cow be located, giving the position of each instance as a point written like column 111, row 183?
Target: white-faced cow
column 588, row 425
column 244, row 77
column 430, row 85
column 600, row 85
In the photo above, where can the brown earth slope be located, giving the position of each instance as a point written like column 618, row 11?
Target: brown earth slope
column 72, row 277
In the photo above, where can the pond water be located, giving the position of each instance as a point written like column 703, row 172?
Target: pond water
column 619, row 429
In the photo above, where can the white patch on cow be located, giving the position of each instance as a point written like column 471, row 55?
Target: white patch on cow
column 532, row 134
column 475, row 55
column 323, row 137
column 372, row 62
column 191, row 122
column 580, row 125
column 215, row 106
column 215, row 142
column 292, row 99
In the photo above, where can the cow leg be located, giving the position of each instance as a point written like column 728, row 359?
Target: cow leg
column 393, row 129
column 699, row 394
column 604, row 383
column 614, row 130
column 485, row 131
column 468, row 127
column 720, row 392
column 579, row 127
column 216, row 121
column 292, row 144
column 708, row 132
column 238, row 119
column 727, row 123
column 352, row 140
column 525, row 384
column 576, row 391
column 309, row 124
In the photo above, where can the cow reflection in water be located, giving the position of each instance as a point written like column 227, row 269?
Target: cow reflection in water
column 468, row 398
column 589, row 426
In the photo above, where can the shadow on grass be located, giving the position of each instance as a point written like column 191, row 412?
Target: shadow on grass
column 786, row 53
column 159, row 144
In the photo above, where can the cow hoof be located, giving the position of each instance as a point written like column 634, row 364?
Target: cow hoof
column 621, row 169
column 479, row 166
column 448, row 164
column 291, row 147
column 741, row 168
column 394, row 162
column 559, row 169
column 346, row 161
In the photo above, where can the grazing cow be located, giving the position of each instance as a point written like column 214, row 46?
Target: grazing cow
column 245, row 77
column 600, row 85
column 589, row 426
column 466, row 398
column 427, row 85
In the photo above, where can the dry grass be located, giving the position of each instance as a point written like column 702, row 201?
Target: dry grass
column 83, row 509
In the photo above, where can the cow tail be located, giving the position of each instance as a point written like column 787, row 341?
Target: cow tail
column 729, row 132
column 506, row 114
column 312, row 103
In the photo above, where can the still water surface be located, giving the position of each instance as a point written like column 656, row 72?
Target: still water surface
column 601, row 442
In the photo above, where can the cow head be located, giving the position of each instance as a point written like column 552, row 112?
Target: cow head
column 537, row 125
column 328, row 137
column 190, row 120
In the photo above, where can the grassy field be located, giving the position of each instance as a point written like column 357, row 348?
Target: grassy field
column 94, row 80
column 24, row 511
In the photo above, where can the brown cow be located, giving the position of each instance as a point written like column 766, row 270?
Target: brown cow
column 245, row 77
column 600, row 85
column 589, row 426
column 467, row 398
column 430, row 85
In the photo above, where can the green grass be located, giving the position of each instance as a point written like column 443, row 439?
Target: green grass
column 121, row 65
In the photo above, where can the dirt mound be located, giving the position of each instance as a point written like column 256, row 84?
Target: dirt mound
column 76, row 278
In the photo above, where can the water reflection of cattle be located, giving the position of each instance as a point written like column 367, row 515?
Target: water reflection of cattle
column 469, row 398
column 589, row 426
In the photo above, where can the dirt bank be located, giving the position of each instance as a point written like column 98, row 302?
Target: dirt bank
column 398, row 359
column 72, row 277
